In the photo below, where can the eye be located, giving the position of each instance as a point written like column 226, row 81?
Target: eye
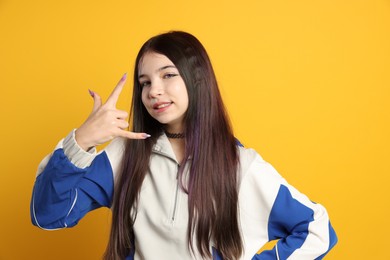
column 144, row 84
column 170, row 75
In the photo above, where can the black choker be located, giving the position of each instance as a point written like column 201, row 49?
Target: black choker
column 175, row 136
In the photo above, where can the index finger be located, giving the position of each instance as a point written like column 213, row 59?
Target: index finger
column 113, row 98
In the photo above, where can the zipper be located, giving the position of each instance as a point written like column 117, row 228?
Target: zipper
column 176, row 195
column 175, row 203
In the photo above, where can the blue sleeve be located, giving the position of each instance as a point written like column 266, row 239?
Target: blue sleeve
column 293, row 224
column 64, row 193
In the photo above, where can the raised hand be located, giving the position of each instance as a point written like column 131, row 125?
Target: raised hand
column 105, row 122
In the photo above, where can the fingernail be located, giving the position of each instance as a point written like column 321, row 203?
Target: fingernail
column 146, row 136
column 124, row 76
column 91, row 93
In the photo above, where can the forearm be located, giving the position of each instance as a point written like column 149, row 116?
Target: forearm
column 70, row 184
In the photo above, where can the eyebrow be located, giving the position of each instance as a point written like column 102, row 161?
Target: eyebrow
column 160, row 69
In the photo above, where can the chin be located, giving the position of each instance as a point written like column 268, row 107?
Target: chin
column 163, row 121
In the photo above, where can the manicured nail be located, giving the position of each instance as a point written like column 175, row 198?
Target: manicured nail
column 91, row 93
column 124, row 77
column 145, row 136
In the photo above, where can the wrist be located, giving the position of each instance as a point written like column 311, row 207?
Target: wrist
column 82, row 142
column 75, row 153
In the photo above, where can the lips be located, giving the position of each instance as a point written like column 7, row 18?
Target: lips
column 161, row 105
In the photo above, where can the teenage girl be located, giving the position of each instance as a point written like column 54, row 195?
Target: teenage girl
column 179, row 184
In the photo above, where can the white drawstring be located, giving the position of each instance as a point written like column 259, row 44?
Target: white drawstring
column 277, row 253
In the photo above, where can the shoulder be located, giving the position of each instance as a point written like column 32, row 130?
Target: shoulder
column 248, row 157
column 115, row 151
column 255, row 171
column 116, row 147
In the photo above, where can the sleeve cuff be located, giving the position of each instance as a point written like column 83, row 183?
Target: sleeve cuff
column 78, row 156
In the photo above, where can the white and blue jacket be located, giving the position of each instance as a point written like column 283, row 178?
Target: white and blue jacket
column 71, row 182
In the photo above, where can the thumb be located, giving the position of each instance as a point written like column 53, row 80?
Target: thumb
column 97, row 101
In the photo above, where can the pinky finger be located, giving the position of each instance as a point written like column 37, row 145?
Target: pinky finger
column 132, row 135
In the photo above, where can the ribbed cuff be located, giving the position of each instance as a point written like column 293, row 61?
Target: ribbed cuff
column 77, row 155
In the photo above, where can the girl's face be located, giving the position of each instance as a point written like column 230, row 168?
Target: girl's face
column 164, row 93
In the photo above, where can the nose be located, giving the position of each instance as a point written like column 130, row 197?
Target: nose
column 156, row 89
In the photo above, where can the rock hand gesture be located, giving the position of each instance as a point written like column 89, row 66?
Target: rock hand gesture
column 106, row 121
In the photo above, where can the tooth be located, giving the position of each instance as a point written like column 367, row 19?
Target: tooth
column 163, row 105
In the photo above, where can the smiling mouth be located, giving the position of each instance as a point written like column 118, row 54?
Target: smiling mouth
column 161, row 105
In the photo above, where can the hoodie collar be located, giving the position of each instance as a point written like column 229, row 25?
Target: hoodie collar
column 164, row 147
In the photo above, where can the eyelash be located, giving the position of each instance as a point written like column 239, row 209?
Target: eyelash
column 170, row 75
column 165, row 76
column 143, row 84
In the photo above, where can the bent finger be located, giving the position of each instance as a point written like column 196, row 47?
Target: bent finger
column 120, row 114
column 122, row 124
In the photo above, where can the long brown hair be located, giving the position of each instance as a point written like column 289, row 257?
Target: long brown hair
column 212, row 185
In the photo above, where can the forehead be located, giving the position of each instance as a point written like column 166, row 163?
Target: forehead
column 151, row 62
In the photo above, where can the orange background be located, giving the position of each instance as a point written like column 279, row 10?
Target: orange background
column 306, row 84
